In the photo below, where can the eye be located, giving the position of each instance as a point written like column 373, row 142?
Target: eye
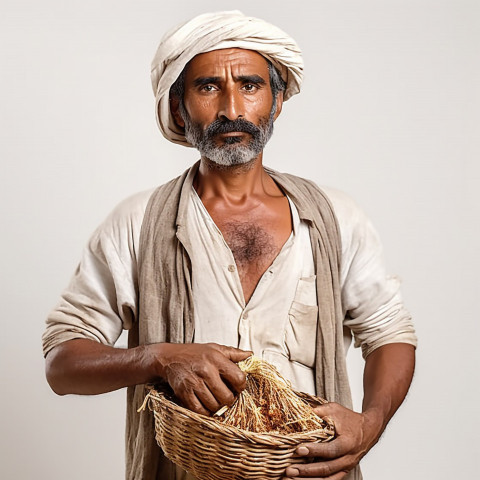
column 208, row 88
column 250, row 87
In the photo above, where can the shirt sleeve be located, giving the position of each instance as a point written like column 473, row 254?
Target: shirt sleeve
column 375, row 313
column 101, row 298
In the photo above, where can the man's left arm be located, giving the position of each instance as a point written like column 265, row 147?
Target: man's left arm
column 383, row 328
column 387, row 377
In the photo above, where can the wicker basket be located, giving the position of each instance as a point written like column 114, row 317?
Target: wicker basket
column 210, row 450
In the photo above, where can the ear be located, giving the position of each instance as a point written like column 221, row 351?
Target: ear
column 175, row 110
column 279, row 105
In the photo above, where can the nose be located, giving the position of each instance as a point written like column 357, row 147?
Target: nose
column 231, row 105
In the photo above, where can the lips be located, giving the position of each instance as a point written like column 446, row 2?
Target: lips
column 231, row 138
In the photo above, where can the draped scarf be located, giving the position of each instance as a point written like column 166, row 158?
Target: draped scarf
column 166, row 303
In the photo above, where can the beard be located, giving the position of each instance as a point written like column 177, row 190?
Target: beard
column 232, row 151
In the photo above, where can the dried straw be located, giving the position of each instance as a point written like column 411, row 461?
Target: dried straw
column 269, row 404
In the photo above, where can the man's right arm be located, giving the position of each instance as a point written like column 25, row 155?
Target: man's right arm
column 100, row 302
column 203, row 376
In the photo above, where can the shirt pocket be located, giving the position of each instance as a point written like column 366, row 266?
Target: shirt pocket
column 301, row 328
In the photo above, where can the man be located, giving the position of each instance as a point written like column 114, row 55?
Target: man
column 235, row 258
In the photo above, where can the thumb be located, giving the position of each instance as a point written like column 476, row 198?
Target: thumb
column 325, row 410
column 235, row 354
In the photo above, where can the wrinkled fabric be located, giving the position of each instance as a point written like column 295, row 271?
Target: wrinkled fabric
column 101, row 299
column 278, row 322
column 215, row 31
column 166, row 302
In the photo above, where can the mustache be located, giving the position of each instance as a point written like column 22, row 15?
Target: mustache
column 227, row 126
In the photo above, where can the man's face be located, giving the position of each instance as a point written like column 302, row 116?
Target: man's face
column 229, row 109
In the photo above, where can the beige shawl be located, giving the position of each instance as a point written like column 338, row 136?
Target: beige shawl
column 166, row 303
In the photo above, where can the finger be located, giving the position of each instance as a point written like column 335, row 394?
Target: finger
column 335, row 412
column 326, row 410
column 333, row 449
column 189, row 400
column 336, row 476
column 233, row 376
column 235, row 354
column 221, row 392
column 208, row 399
column 339, row 467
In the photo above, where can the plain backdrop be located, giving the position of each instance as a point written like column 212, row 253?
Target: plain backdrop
column 389, row 113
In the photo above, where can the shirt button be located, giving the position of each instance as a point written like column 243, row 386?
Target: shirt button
column 245, row 315
column 231, row 268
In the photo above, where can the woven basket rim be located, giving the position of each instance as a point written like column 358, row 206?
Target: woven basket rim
column 159, row 395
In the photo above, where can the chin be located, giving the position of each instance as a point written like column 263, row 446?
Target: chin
column 237, row 165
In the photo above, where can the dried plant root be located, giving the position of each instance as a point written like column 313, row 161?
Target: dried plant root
column 269, row 405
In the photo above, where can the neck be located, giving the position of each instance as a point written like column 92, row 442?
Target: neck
column 232, row 183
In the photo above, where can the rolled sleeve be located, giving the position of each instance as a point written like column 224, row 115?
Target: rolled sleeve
column 390, row 322
column 101, row 299
column 374, row 309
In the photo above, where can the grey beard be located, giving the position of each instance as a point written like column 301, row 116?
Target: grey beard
column 231, row 152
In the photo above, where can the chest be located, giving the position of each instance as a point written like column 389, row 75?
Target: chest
column 279, row 321
column 255, row 240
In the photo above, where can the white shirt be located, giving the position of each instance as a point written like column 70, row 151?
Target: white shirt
column 102, row 297
column 279, row 321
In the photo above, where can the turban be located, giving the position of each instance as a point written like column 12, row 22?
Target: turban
column 214, row 31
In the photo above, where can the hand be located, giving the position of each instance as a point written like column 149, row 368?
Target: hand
column 356, row 434
column 204, row 377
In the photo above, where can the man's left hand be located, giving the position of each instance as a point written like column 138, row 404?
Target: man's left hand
column 356, row 433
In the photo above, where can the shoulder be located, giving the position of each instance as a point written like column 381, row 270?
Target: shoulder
column 345, row 207
column 288, row 180
column 352, row 220
column 119, row 233
column 360, row 240
column 124, row 223
column 130, row 211
column 355, row 228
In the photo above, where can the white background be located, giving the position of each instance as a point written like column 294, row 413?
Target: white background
column 388, row 113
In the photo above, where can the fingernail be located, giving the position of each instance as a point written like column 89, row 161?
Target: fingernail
column 302, row 450
column 292, row 472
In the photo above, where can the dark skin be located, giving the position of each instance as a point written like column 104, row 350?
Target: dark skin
column 230, row 84
column 264, row 204
column 203, row 376
column 226, row 85
column 387, row 377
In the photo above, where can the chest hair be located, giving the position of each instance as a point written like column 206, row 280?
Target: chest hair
column 253, row 247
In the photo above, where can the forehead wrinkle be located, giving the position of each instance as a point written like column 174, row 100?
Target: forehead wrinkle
column 216, row 62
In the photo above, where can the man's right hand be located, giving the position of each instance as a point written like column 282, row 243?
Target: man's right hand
column 204, row 377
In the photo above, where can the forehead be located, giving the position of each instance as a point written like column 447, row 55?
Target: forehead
column 217, row 62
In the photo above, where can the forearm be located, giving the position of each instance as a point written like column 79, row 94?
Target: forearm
column 204, row 377
column 87, row 367
column 387, row 377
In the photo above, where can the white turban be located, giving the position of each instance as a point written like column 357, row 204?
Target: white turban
column 214, row 31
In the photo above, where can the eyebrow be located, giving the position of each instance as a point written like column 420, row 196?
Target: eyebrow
column 201, row 81
column 251, row 79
